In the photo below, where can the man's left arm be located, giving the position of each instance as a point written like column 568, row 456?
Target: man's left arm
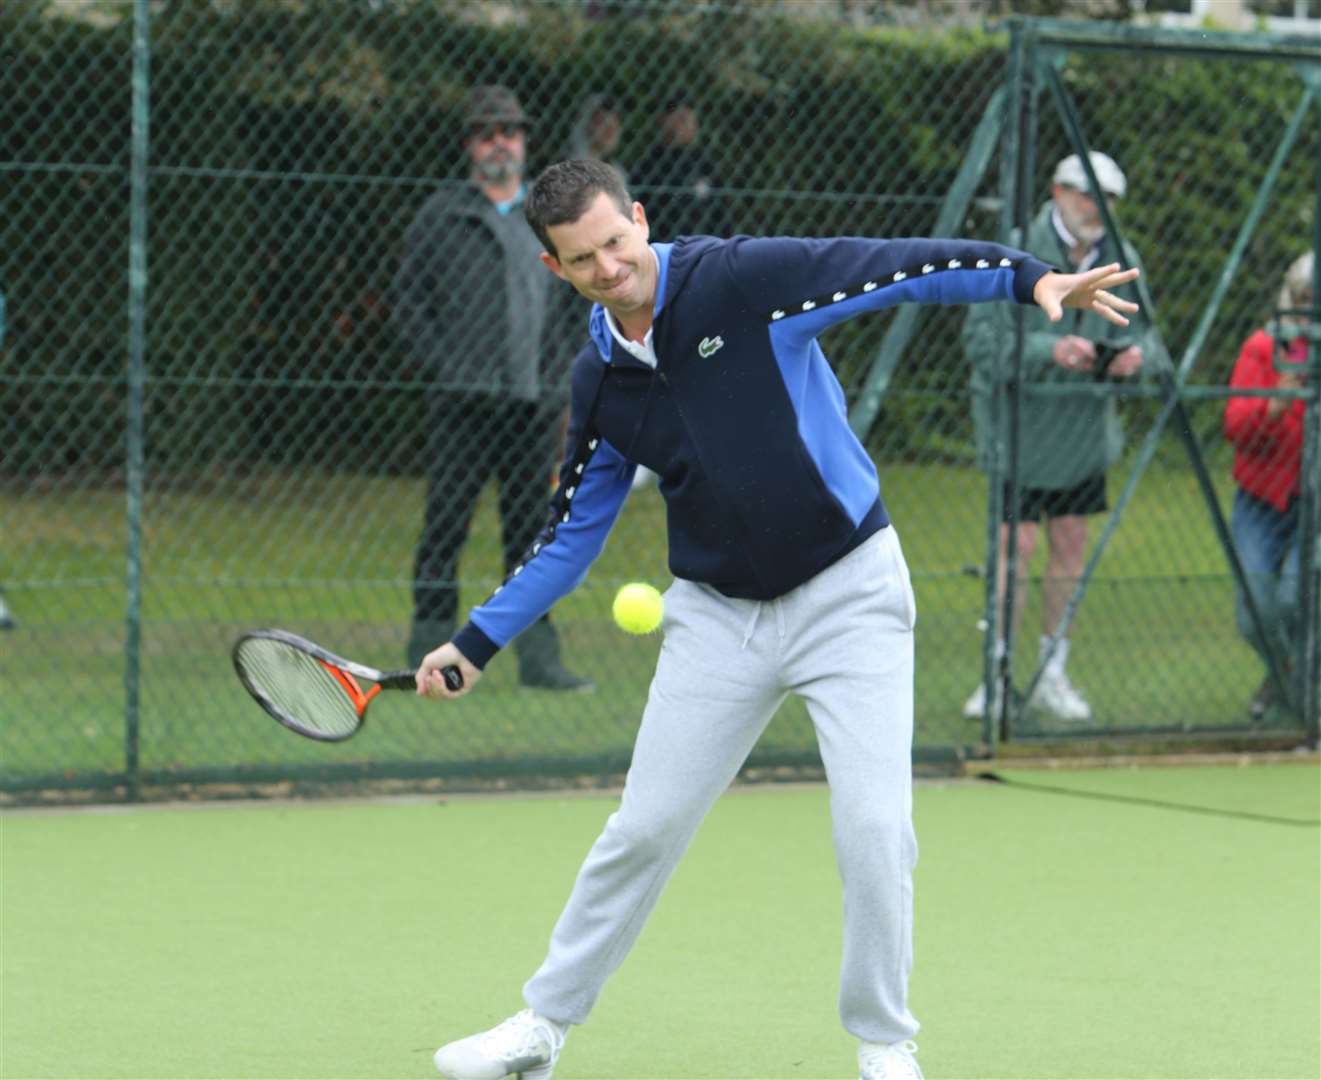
column 811, row 284
column 814, row 284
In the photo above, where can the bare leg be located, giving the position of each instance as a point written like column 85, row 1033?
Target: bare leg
column 1066, row 538
column 1027, row 546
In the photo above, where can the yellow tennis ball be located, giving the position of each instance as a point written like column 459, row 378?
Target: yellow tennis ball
column 638, row 608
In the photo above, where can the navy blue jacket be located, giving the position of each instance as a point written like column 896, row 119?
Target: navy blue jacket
column 765, row 484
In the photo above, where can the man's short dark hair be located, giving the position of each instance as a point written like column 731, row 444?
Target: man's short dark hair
column 564, row 191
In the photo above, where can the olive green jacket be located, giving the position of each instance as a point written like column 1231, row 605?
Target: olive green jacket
column 1065, row 439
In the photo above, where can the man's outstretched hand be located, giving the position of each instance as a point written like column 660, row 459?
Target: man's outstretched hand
column 1055, row 292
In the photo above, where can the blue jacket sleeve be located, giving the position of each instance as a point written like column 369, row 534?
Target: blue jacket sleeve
column 594, row 482
column 813, row 284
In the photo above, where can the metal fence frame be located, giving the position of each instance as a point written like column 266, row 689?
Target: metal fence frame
column 1008, row 127
column 1038, row 48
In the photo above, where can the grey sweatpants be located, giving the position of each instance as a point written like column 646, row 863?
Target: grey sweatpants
column 844, row 642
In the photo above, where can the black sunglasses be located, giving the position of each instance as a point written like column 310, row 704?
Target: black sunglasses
column 487, row 132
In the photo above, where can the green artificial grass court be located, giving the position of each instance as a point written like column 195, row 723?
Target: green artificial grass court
column 1145, row 923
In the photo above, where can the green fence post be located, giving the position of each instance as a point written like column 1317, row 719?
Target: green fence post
column 1245, row 234
column 1016, row 181
column 137, row 311
column 994, row 468
column 1309, row 540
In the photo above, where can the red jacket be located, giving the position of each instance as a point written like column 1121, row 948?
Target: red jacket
column 1267, row 453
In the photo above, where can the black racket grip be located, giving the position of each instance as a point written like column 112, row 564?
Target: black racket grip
column 407, row 679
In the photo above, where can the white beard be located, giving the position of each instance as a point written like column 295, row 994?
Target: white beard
column 1084, row 232
column 498, row 171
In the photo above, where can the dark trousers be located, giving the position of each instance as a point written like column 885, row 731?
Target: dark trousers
column 470, row 441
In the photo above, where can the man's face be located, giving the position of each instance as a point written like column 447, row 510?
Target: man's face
column 604, row 255
column 1081, row 215
column 679, row 126
column 604, row 131
column 498, row 152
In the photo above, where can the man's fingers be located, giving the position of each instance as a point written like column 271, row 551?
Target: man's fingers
column 1087, row 290
column 1116, row 302
column 438, row 686
column 1108, row 313
column 430, row 681
column 1107, row 277
column 1109, row 307
column 431, row 684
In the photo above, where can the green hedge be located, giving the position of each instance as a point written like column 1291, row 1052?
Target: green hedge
column 291, row 142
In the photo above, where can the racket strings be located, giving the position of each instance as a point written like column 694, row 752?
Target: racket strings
column 300, row 686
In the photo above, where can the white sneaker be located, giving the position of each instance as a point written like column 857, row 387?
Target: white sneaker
column 526, row 1045
column 888, row 1061
column 6, row 619
column 975, row 707
column 1060, row 697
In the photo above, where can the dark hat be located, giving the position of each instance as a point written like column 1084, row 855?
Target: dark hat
column 493, row 105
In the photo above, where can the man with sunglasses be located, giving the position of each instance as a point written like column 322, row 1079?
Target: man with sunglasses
column 476, row 312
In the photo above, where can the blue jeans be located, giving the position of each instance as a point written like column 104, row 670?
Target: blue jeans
column 1268, row 543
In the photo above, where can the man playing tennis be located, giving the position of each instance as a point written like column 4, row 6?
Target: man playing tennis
column 703, row 365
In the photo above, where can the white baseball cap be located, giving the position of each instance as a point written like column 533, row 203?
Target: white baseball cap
column 1110, row 176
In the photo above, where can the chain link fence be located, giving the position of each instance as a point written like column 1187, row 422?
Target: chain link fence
column 220, row 407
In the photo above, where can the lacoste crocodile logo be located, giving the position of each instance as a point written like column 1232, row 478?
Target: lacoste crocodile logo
column 710, row 345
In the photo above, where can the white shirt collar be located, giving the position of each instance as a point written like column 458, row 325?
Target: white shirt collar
column 646, row 351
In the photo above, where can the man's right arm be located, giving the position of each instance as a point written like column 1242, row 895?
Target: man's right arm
column 594, row 481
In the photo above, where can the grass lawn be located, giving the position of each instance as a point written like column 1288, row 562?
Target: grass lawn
column 330, row 555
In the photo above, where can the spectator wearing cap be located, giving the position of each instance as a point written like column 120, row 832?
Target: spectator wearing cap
column 1267, row 436
column 472, row 306
column 683, row 189
column 1067, row 443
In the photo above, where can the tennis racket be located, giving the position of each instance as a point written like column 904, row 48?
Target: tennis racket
column 312, row 691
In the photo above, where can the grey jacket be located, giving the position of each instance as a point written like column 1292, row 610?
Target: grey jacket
column 470, row 297
column 1064, row 439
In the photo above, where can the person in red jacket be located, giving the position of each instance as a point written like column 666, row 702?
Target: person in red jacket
column 1267, row 436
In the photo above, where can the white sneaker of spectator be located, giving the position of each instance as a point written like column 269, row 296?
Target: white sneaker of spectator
column 1061, row 698
column 975, row 707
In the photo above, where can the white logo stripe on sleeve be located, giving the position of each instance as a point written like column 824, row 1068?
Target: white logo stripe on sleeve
column 559, row 508
column 838, row 296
